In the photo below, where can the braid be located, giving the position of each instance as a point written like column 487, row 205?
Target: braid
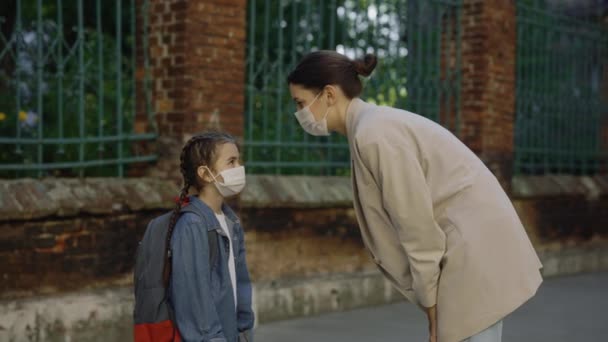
column 187, row 177
column 172, row 222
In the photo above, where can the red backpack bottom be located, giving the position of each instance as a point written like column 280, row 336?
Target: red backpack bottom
column 163, row 331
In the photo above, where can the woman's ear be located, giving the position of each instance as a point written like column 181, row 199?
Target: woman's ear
column 331, row 92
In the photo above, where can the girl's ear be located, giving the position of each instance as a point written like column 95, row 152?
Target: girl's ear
column 204, row 174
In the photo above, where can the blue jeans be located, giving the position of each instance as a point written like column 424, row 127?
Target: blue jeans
column 492, row 334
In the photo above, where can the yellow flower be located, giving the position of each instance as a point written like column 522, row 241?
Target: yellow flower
column 22, row 116
column 2, row 116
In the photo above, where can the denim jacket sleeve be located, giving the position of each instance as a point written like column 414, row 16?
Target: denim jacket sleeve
column 195, row 313
column 245, row 316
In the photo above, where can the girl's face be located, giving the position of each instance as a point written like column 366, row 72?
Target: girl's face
column 227, row 157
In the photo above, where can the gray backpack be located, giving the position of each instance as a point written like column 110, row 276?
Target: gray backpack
column 153, row 315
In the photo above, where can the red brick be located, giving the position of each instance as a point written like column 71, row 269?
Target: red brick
column 488, row 87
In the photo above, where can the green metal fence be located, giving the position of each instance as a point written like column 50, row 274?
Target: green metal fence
column 562, row 84
column 68, row 87
column 282, row 31
column 434, row 64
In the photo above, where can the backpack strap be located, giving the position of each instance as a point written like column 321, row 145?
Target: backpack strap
column 212, row 235
column 212, row 238
column 213, row 247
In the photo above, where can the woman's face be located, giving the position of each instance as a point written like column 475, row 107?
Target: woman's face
column 304, row 97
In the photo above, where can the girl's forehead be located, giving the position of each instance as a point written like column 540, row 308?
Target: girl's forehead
column 227, row 150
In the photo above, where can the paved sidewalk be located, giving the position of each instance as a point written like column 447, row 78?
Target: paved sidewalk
column 569, row 309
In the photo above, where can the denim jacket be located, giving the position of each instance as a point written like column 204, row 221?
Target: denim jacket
column 201, row 294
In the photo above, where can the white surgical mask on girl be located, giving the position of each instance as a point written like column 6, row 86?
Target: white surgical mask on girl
column 234, row 181
column 308, row 122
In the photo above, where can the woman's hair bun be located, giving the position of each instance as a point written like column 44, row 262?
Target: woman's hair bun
column 365, row 66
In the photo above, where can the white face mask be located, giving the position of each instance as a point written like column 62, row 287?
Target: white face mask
column 234, row 181
column 308, row 122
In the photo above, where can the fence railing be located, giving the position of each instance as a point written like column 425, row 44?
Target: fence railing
column 562, row 88
column 434, row 39
column 282, row 31
column 72, row 79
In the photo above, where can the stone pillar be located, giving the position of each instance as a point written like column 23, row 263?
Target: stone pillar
column 488, row 82
column 197, row 62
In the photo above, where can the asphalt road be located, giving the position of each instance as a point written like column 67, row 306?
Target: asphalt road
column 567, row 309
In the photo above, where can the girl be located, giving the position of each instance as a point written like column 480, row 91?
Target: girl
column 434, row 218
column 211, row 302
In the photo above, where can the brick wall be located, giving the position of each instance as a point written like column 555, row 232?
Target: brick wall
column 69, row 234
column 563, row 208
column 488, row 82
column 50, row 255
column 68, row 254
column 197, row 55
column 449, row 67
column 63, row 235
column 292, row 243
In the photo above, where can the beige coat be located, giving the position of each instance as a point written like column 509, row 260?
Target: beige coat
column 436, row 221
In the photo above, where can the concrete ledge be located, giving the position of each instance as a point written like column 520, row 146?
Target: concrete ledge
column 270, row 191
column 590, row 187
column 284, row 300
column 562, row 261
column 26, row 199
column 106, row 315
column 297, row 192
column 103, row 315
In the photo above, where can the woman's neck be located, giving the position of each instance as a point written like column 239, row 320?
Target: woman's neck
column 338, row 120
column 212, row 198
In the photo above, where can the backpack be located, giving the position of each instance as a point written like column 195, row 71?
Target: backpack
column 153, row 315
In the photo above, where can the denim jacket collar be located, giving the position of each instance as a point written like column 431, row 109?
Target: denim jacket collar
column 210, row 215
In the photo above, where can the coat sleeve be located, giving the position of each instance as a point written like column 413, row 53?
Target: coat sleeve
column 195, row 313
column 407, row 200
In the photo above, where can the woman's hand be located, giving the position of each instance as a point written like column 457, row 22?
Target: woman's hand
column 431, row 314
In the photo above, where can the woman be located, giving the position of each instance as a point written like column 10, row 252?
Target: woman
column 435, row 219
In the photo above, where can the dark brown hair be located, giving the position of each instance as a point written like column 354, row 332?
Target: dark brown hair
column 321, row 68
column 199, row 150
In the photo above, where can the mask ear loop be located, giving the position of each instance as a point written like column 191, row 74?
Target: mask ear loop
column 214, row 177
column 314, row 100
column 326, row 111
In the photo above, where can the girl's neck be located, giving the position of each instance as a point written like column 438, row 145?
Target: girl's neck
column 212, row 198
